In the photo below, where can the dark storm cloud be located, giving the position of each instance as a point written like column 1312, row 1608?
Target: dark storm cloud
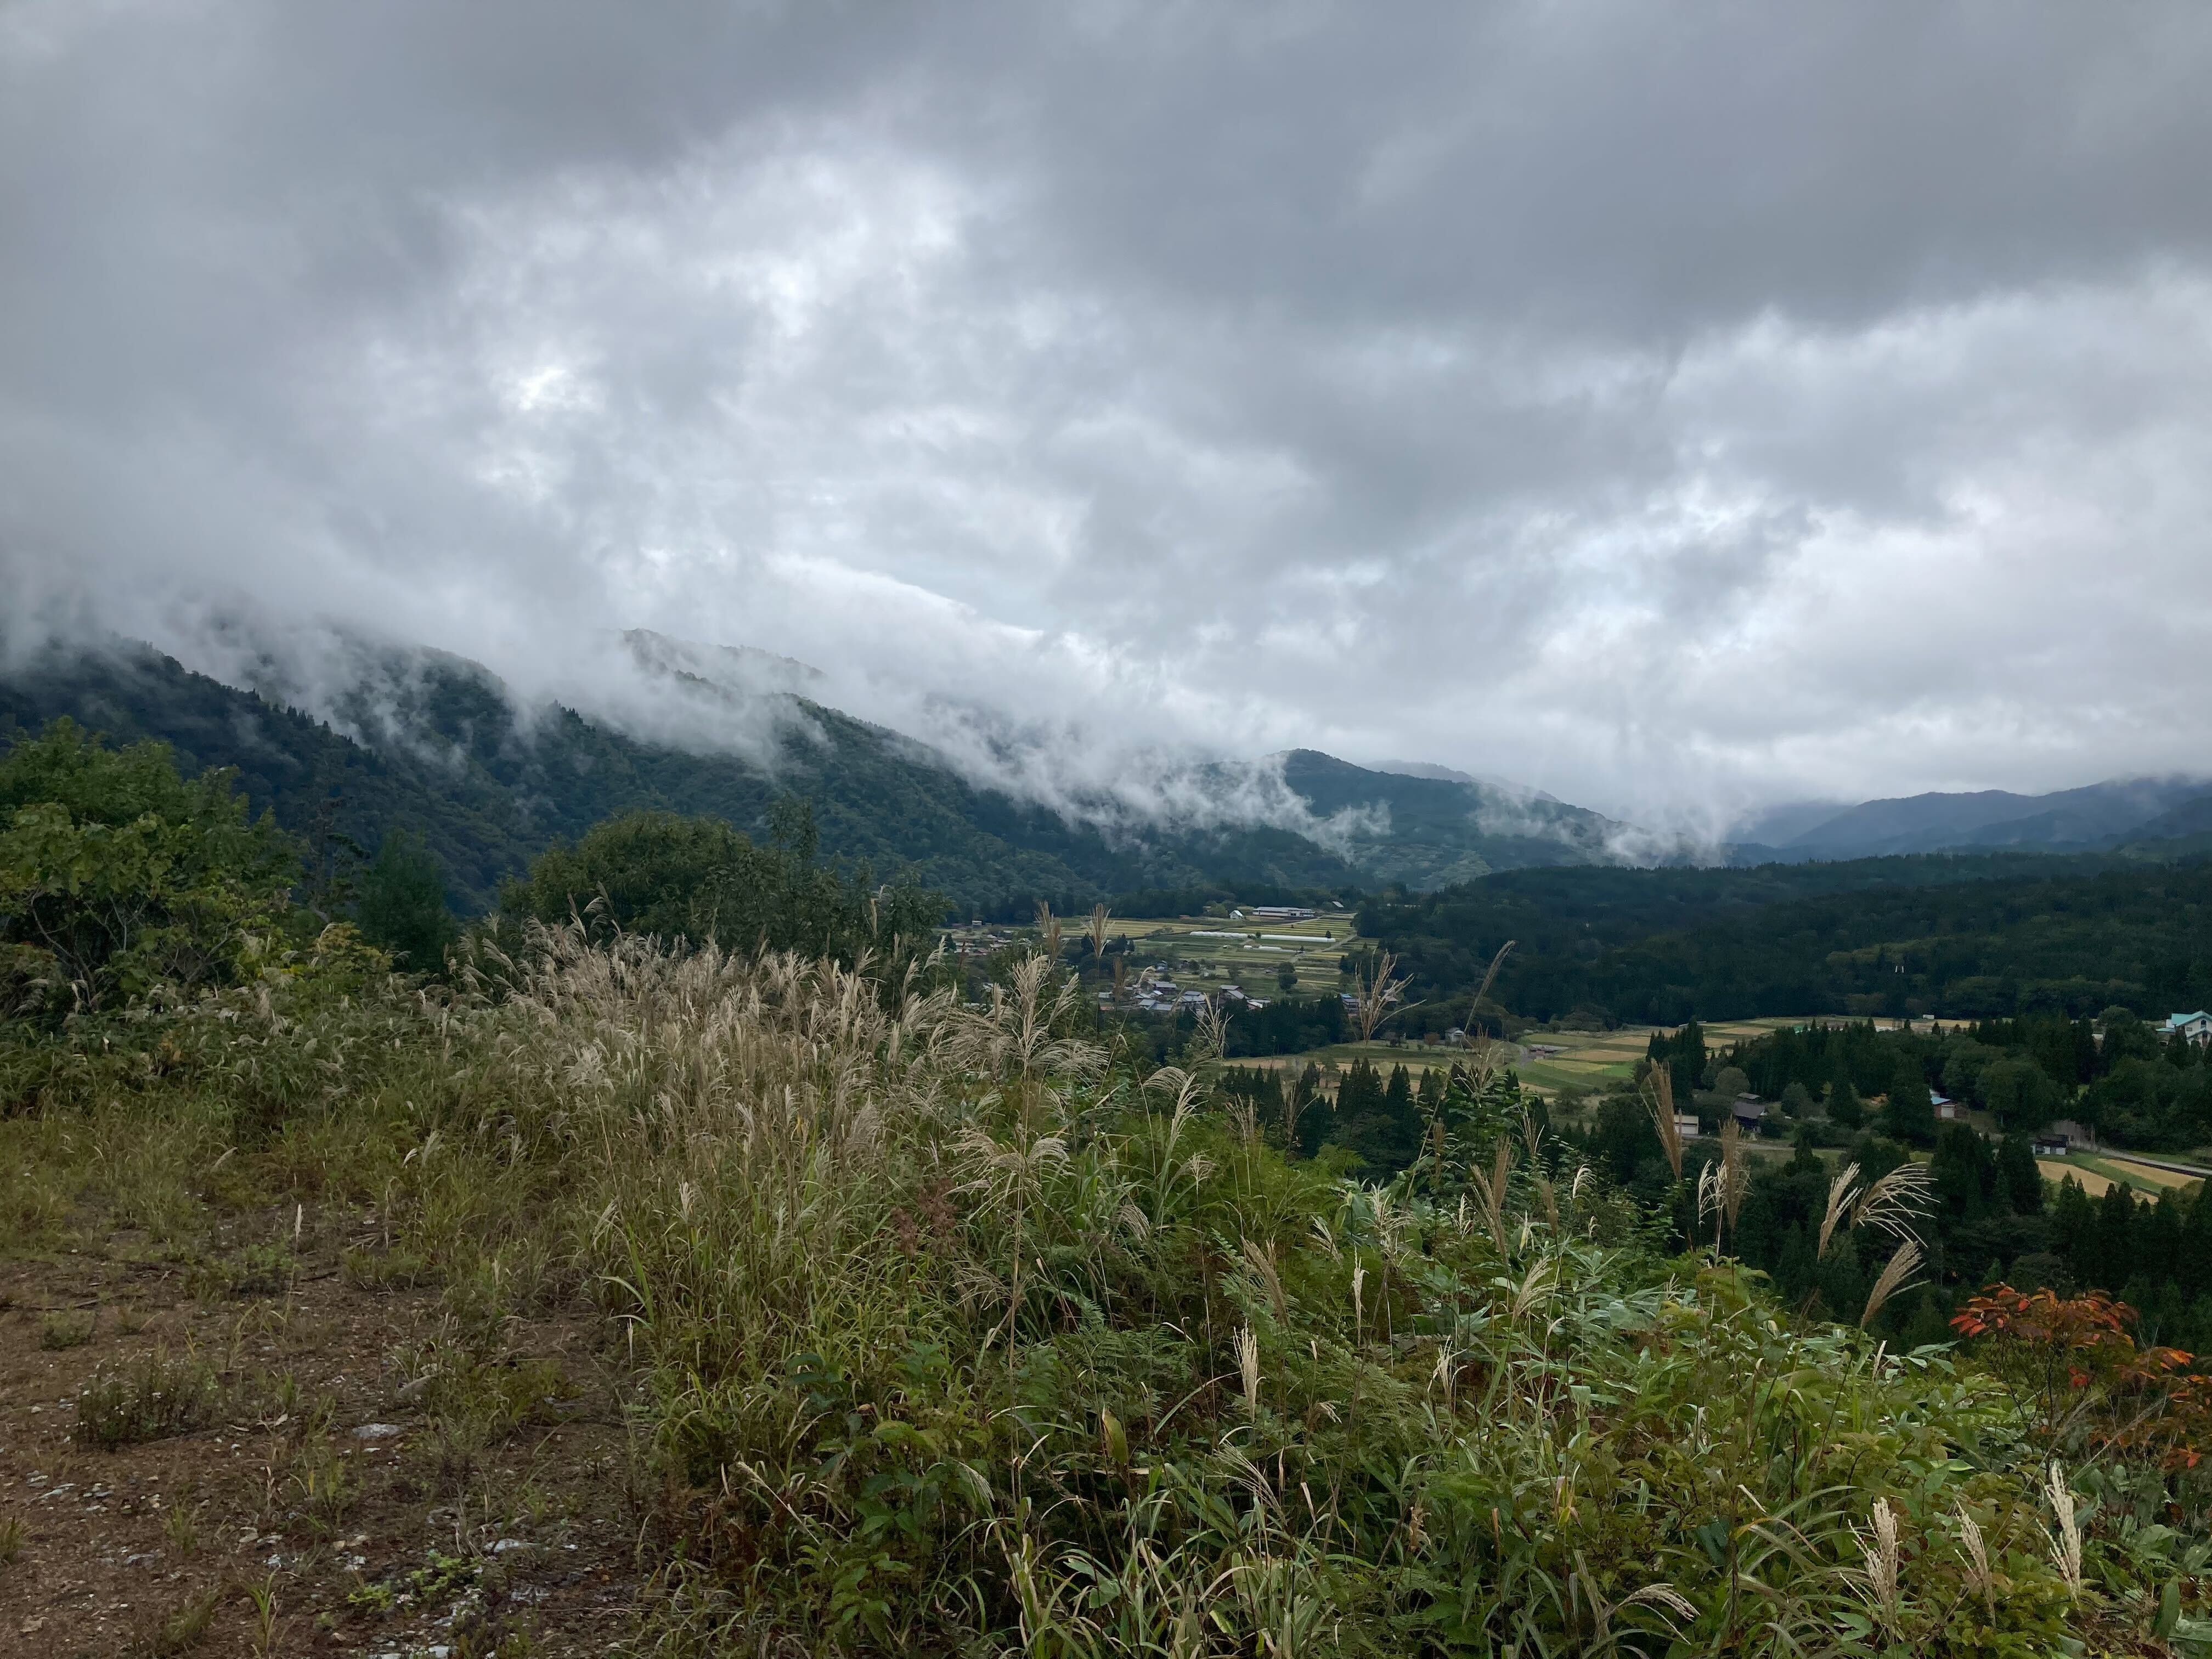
column 1669, row 406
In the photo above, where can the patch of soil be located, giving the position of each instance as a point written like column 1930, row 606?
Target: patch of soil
column 327, row 1506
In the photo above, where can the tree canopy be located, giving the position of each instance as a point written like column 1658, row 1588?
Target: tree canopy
column 698, row 878
column 117, row 874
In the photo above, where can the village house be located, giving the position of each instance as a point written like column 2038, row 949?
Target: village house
column 2194, row 1028
column 1750, row 1114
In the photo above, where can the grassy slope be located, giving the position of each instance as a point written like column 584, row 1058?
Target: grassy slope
column 942, row 1335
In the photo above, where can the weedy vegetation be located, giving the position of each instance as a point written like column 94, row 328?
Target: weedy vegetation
column 158, row 1396
column 65, row 1330
column 947, row 1329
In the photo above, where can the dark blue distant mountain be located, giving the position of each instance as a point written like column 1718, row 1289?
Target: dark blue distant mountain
column 2095, row 816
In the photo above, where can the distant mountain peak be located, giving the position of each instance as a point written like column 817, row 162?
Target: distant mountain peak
column 2097, row 815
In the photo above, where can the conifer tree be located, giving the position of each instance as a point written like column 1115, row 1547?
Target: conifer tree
column 2073, row 1226
column 2018, row 1180
column 1911, row 1117
column 2112, row 1253
column 1844, row 1110
column 2192, row 1261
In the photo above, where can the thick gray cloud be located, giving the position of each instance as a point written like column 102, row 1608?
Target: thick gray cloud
column 1672, row 407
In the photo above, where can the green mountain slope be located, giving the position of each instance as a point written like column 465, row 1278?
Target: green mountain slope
column 1428, row 832
column 486, row 785
column 447, row 754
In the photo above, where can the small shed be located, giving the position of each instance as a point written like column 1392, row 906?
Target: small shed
column 2047, row 1145
column 1687, row 1126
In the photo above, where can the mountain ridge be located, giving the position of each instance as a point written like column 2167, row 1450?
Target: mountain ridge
column 437, row 745
column 2090, row 817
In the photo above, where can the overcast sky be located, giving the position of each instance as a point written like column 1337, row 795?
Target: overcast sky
column 1671, row 406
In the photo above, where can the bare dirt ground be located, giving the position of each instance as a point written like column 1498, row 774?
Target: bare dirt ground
column 327, row 1502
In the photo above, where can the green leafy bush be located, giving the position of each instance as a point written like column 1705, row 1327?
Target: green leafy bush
column 116, row 875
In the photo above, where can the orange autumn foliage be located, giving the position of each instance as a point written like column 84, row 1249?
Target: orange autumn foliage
column 2137, row 1399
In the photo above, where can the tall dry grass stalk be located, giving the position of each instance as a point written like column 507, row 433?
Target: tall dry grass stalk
column 1261, row 1261
column 1248, row 1367
column 1095, row 929
column 2066, row 1539
column 1661, row 1100
column 1709, row 1201
column 1489, row 1193
column 1723, row 1186
column 1977, row 1550
column 1893, row 1277
column 1897, row 1201
column 1482, row 992
column 1378, row 995
column 1884, row 1589
column 1843, row 1191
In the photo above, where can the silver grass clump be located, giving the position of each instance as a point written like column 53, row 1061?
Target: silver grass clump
column 1879, row 1547
column 1893, row 1279
column 1979, row 1575
column 1247, row 1366
column 2066, row 1541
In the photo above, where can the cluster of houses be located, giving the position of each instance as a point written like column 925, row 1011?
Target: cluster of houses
column 979, row 942
column 1751, row 1114
column 1163, row 996
column 2053, row 1140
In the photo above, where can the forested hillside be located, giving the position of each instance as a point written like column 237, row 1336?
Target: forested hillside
column 1422, row 832
column 486, row 785
column 1962, row 937
column 446, row 756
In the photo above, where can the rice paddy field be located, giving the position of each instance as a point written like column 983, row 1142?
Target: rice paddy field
column 1549, row 1062
column 1247, row 951
column 2099, row 1172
